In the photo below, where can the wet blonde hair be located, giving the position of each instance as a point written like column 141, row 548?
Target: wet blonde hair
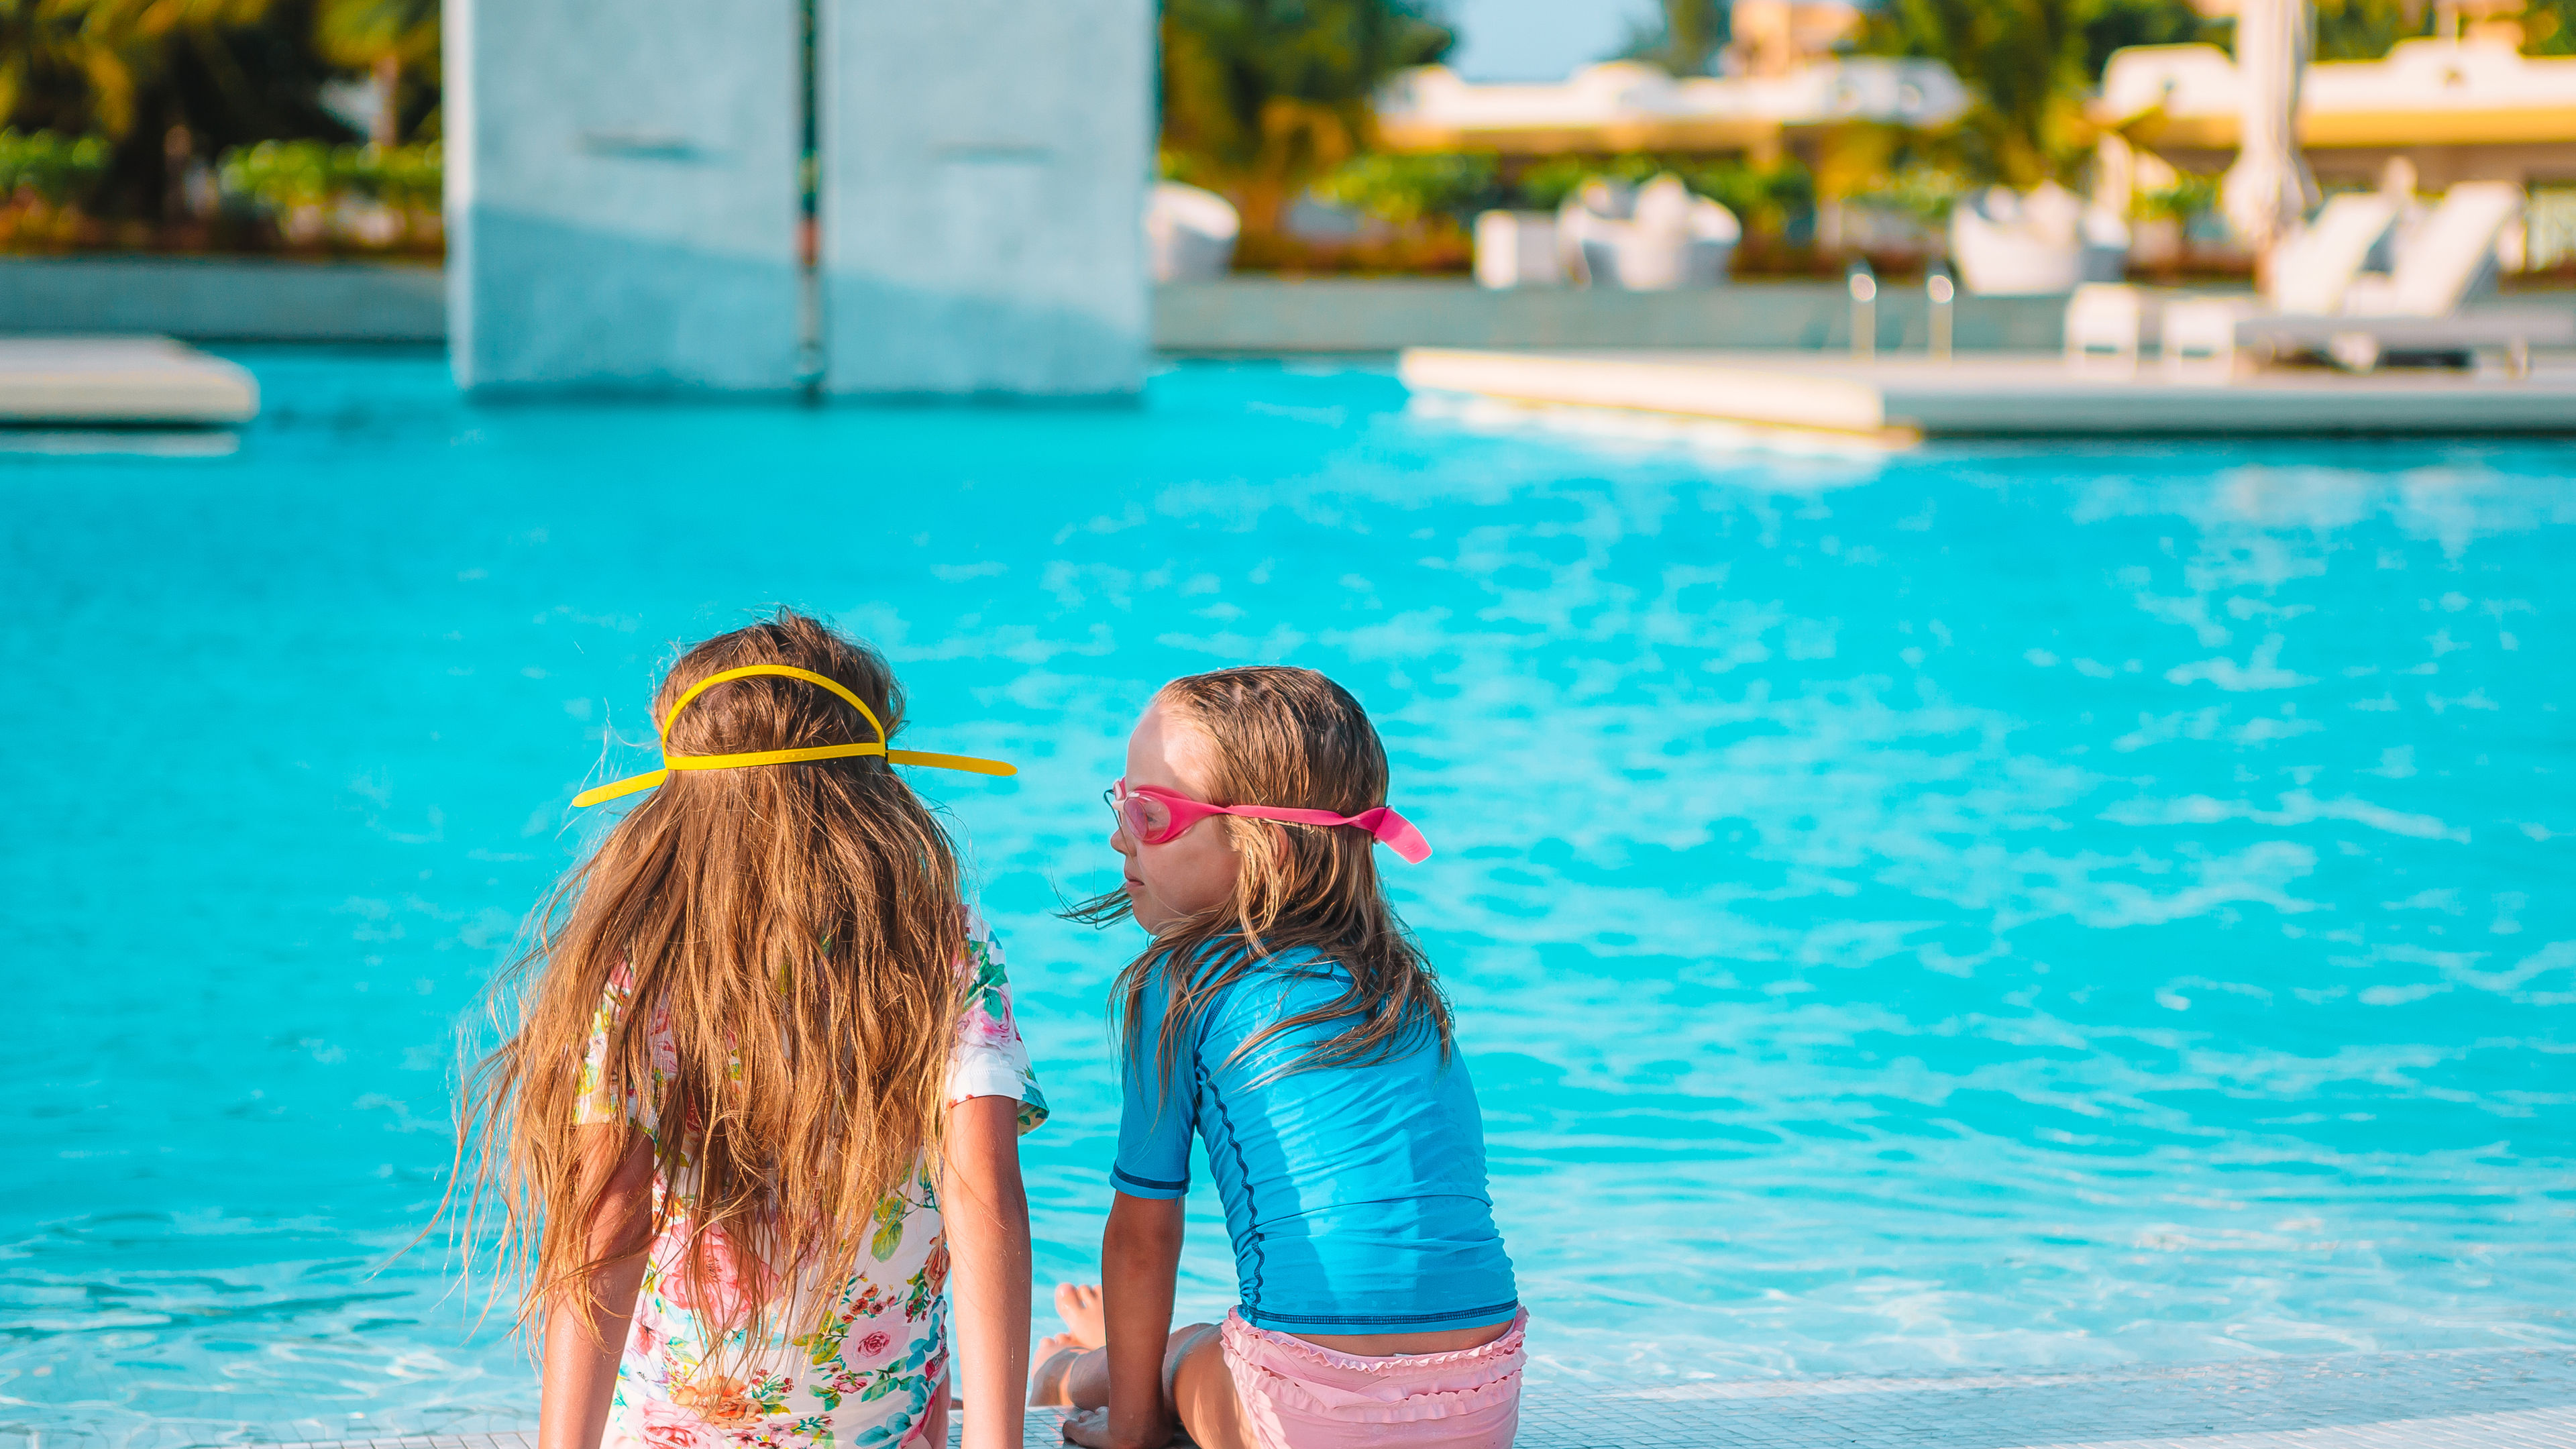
column 802, row 927
column 1285, row 737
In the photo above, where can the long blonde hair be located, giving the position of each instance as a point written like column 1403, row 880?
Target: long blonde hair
column 1286, row 737
column 801, row 928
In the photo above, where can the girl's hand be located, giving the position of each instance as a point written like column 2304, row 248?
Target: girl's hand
column 1140, row 1259
column 1090, row 1429
column 987, row 1215
column 586, row 1326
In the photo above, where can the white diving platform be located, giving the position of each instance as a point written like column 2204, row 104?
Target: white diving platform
column 1898, row 399
column 120, row 382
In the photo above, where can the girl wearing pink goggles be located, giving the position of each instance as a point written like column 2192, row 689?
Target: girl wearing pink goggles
column 1283, row 1014
column 1156, row 816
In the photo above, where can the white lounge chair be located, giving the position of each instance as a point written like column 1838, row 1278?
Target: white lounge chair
column 1189, row 233
column 1658, row 238
column 2103, row 320
column 2314, row 270
column 2310, row 274
column 2045, row 243
column 1517, row 249
column 2414, row 310
column 2447, row 259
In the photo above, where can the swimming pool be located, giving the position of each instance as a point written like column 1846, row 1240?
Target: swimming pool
column 1992, row 905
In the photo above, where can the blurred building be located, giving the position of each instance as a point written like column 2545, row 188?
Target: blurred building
column 2471, row 109
column 1783, row 86
column 1626, row 106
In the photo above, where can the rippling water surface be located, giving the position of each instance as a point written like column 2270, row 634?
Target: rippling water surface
column 1994, row 906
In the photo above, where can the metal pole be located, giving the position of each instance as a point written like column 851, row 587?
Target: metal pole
column 1864, row 313
column 1942, row 292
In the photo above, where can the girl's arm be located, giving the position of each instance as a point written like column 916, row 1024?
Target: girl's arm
column 1140, row 1259
column 987, row 1216
column 584, row 1339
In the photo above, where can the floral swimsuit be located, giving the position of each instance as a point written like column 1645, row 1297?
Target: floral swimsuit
column 868, row 1376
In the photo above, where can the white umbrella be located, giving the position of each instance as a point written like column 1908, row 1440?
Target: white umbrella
column 2268, row 191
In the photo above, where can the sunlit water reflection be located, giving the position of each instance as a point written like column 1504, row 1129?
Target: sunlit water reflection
column 1993, row 905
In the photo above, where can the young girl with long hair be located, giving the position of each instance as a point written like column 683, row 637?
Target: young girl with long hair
column 762, row 1101
column 1282, row 1013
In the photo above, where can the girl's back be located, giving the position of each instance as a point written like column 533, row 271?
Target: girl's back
column 759, row 1043
column 1355, row 1195
column 872, row 1355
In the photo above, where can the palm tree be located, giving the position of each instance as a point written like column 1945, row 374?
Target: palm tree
column 384, row 37
column 1260, row 97
column 1684, row 38
column 2030, row 64
column 76, row 65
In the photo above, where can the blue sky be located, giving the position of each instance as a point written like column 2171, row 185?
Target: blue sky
column 1538, row 39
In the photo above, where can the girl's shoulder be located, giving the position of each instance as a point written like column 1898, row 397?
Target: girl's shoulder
column 983, row 966
column 1264, row 988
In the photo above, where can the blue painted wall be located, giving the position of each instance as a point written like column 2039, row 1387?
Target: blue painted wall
column 984, row 173
column 622, row 194
column 623, row 204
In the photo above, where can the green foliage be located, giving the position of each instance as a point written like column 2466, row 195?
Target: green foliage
column 1684, row 37
column 2029, row 64
column 396, row 43
column 91, row 65
column 2111, row 25
column 2191, row 195
column 60, row 170
column 1923, row 192
column 364, row 32
column 2361, row 29
column 1262, row 96
column 2549, row 28
column 226, row 73
column 282, row 175
column 1546, row 184
column 1764, row 198
column 1406, row 189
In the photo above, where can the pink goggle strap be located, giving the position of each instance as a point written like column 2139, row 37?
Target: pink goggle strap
column 1391, row 829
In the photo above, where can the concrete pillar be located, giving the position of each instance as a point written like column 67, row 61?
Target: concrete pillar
column 621, row 192
column 985, row 164
column 623, row 199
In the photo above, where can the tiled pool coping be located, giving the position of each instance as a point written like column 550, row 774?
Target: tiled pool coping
column 2483, row 1399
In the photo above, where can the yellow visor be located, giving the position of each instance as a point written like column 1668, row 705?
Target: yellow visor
column 670, row 762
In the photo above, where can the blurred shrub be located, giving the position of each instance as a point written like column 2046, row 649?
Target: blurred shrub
column 283, row 175
column 368, row 197
column 1924, row 193
column 411, row 176
column 1764, row 198
column 2189, row 196
column 1405, row 190
column 57, row 170
column 2028, row 66
column 1263, row 97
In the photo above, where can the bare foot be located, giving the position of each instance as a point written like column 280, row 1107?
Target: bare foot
column 1078, row 1304
column 1051, row 1362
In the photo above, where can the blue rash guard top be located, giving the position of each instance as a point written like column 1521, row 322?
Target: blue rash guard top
column 1354, row 1195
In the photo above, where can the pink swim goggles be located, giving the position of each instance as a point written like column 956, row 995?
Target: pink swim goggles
column 1157, row 816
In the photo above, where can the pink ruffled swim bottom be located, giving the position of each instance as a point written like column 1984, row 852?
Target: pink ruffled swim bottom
column 1299, row 1395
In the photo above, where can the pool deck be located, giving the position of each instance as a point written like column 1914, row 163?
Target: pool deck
column 120, row 382
column 1898, row 399
column 2482, row 1399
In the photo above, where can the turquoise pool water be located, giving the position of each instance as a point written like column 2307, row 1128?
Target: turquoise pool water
column 1990, row 906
